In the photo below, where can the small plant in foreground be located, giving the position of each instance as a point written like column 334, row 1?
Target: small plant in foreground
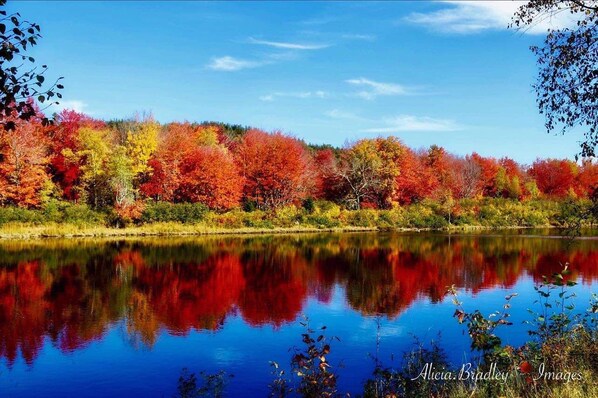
column 312, row 373
column 213, row 384
column 311, row 365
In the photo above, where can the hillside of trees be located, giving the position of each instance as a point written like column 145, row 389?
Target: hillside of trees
column 128, row 168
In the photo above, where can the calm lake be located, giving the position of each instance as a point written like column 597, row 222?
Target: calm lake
column 111, row 318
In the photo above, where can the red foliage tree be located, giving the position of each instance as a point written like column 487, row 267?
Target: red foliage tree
column 63, row 140
column 191, row 166
column 327, row 184
column 488, row 171
column 587, row 179
column 416, row 180
column 276, row 168
column 176, row 141
column 441, row 179
column 554, row 177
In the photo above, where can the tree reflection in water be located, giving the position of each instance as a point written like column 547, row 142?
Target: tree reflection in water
column 71, row 291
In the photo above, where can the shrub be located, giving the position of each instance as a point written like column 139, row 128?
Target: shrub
column 81, row 214
column 287, row 216
column 328, row 208
column 390, row 218
column 231, row 219
column 422, row 216
column 18, row 214
column 322, row 221
column 361, row 218
column 174, row 212
column 309, row 205
column 55, row 212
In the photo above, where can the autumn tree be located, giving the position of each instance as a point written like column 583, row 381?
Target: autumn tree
column 467, row 178
column 163, row 176
column 369, row 169
column 489, row 168
column 190, row 165
column 24, row 179
column 121, row 171
column 391, row 151
column 209, row 175
column 587, row 178
column 141, row 143
column 554, row 177
column 64, row 143
column 415, row 181
column 94, row 156
column 441, row 177
column 327, row 183
column 276, row 169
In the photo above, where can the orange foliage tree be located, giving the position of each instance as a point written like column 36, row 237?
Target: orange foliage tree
column 209, row 175
column 415, row 181
column 191, row 166
column 23, row 164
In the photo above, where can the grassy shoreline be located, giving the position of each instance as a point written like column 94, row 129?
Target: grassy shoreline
column 24, row 231
column 62, row 219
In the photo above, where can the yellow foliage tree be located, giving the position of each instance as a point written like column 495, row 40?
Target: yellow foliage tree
column 94, row 157
column 141, row 144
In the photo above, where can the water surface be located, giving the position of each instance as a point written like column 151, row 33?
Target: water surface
column 93, row 318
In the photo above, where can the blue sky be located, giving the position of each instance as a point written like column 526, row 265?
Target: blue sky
column 446, row 73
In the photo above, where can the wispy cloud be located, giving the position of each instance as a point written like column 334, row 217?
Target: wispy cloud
column 340, row 114
column 75, row 105
column 230, row 64
column 375, row 89
column 356, row 36
column 414, row 123
column 302, row 94
column 288, row 45
column 468, row 17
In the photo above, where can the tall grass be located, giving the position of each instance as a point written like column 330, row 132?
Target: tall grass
column 162, row 218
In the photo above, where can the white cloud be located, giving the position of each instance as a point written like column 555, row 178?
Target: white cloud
column 302, row 94
column 414, row 123
column 75, row 105
column 229, row 64
column 340, row 114
column 287, row 45
column 355, row 36
column 466, row 17
column 269, row 97
column 377, row 88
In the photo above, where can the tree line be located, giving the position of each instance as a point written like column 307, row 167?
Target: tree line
column 125, row 164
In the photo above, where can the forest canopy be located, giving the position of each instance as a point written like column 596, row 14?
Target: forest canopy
column 124, row 165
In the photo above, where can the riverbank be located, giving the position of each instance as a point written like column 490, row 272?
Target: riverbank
column 165, row 219
column 24, row 231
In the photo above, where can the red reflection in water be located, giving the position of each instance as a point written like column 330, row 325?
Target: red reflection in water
column 197, row 285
